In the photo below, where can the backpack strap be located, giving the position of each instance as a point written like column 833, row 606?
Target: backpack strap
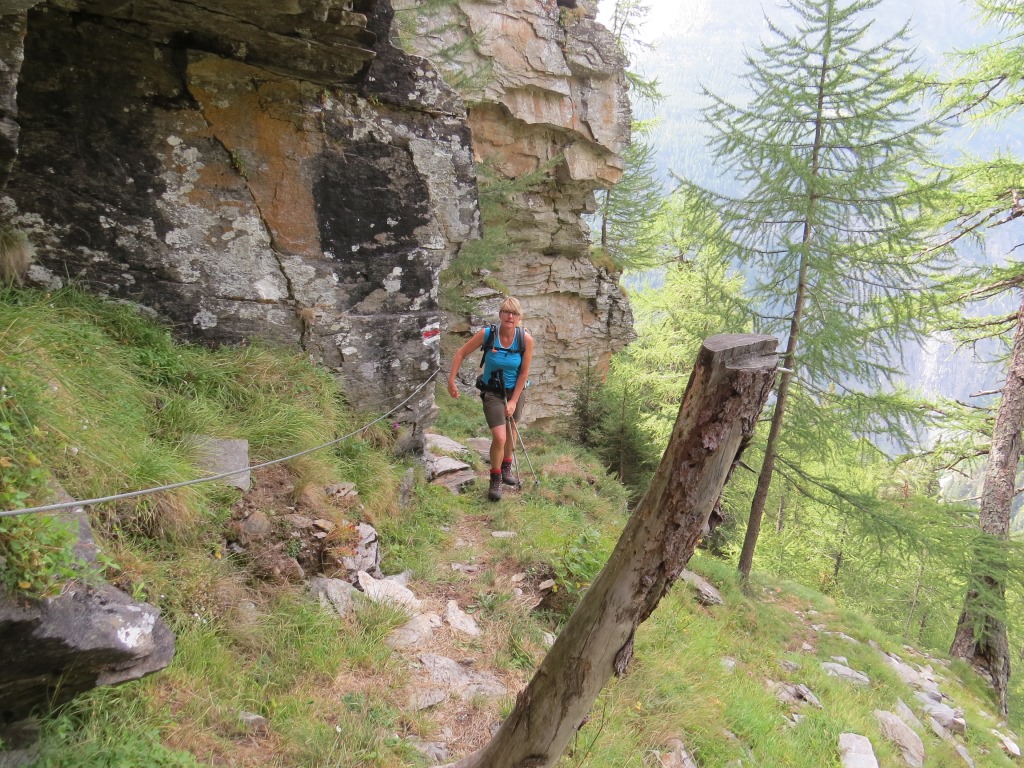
column 489, row 334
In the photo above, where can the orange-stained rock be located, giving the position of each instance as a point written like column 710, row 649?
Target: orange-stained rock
column 275, row 170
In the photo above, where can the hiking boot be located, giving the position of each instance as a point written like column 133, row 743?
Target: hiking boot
column 508, row 478
column 494, row 492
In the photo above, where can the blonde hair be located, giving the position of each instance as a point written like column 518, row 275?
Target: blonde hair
column 512, row 304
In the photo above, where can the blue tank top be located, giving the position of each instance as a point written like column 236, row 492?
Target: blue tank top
column 508, row 359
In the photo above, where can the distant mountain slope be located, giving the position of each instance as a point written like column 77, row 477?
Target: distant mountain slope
column 704, row 45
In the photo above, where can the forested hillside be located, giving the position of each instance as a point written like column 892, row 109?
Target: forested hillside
column 280, row 663
column 844, row 176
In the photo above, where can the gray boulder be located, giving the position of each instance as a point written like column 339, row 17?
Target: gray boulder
column 903, row 736
column 855, row 751
column 707, row 594
column 366, row 556
column 57, row 648
column 333, row 594
column 843, row 672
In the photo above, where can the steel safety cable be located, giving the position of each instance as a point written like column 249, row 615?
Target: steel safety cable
column 220, row 476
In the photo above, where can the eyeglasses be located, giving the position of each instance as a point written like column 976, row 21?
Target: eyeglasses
column 508, row 312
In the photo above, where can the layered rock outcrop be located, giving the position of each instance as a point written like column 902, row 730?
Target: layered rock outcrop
column 274, row 170
column 548, row 106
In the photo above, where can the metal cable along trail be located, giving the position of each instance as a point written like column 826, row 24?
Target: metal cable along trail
column 222, row 475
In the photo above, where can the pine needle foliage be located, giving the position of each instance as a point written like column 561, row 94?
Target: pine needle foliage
column 442, row 32
column 988, row 90
column 627, row 210
column 623, row 227
column 828, row 216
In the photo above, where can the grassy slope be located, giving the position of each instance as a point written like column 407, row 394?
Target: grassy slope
column 102, row 400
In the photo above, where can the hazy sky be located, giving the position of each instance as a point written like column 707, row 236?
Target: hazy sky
column 680, row 16
column 664, row 15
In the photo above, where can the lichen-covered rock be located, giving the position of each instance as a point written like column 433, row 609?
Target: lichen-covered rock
column 88, row 636
column 13, row 22
column 277, row 170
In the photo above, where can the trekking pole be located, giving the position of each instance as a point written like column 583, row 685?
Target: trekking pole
column 522, row 443
column 510, row 425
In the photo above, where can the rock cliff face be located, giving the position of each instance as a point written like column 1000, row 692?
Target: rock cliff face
column 274, row 170
column 285, row 171
column 547, row 95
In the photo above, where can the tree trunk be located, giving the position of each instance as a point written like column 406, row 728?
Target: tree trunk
column 981, row 631
column 731, row 380
column 764, row 479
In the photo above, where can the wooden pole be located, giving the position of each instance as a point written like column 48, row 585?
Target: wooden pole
column 731, row 380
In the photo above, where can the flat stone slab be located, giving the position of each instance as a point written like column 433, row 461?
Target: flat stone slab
column 1009, row 745
column 390, row 592
column 464, row 682
column 707, row 594
column 333, row 594
column 903, row 736
column 794, row 693
column 840, row 670
column 446, row 465
column 907, row 716
column 911, row 676
column 457, row 482
column 443, row 444
column 424, row 698
column 855, row 751
column 415, row 633
column 965, row 755
column 481, row 445
column 461, row 621
column 943, row 714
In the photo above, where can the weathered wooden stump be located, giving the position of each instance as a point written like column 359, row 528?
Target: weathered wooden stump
column 731, row 380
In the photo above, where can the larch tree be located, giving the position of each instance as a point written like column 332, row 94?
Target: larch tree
column 825, row 216
column 622, row 223
column 990, row 89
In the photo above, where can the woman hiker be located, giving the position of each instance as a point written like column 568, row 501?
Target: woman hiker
column 508, row 350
